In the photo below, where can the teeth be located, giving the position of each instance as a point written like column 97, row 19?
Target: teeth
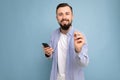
column 64, row 21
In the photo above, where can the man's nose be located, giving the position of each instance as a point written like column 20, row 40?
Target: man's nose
column 64, row 16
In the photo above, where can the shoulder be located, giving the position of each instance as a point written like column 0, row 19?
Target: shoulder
column 55, row 32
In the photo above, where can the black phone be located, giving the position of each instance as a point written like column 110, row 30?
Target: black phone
column 45, row 45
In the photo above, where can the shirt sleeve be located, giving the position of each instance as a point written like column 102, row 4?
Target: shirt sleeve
column 82, row 57
column 51, row 45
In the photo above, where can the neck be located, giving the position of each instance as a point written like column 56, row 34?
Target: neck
column 64, row 31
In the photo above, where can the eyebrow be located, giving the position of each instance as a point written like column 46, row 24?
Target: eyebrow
column 65, row 13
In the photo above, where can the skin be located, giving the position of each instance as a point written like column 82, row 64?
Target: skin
column 65, row 16
column 64, row 13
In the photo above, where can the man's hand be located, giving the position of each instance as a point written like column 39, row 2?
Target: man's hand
column 48, row 51
column 79, row 41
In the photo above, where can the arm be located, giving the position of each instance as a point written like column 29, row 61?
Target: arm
column 81, row 49
column 82, row 57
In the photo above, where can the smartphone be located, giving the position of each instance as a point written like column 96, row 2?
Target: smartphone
column 45, row 45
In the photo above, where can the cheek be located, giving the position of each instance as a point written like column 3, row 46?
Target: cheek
column 59, row 19
column 70, row 18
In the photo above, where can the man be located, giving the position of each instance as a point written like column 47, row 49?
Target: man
column 68, row 48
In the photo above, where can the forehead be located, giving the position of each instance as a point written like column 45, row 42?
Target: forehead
column 64, row 9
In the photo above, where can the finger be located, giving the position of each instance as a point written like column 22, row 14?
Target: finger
column 78, row 38
column 50, row 50
column 46, row 49
column 81, row 41
column 77, row 34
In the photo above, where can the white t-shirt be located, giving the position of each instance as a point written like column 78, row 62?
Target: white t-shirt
column 62, row 52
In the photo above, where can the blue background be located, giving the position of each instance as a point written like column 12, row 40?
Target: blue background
column 25, row 24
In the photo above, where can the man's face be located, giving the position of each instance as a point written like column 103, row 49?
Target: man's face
column 64, row 17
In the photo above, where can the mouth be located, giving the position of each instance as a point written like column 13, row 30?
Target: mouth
column 64, row 20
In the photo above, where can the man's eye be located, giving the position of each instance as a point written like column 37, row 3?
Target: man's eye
column 67, row 13
column 60, row 14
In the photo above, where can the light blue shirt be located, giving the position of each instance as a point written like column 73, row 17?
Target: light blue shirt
column 74, row 61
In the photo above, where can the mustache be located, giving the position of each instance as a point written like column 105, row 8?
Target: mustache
column 64, row 20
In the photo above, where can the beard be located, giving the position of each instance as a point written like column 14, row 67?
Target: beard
column 65, row 26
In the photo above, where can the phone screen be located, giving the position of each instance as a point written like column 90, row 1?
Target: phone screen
column 45, row 45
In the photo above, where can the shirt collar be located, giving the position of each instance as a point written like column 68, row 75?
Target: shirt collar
column 70, row 32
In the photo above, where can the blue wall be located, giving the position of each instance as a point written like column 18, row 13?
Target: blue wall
column 25, row 24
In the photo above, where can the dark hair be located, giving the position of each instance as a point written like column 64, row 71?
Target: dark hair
column 63, row 5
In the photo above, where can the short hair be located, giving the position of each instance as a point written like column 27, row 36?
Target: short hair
column 63, row 5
